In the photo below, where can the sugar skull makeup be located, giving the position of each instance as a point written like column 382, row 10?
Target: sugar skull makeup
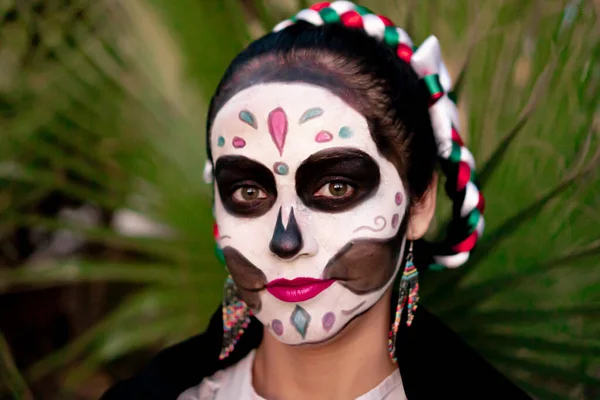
column 309, row 211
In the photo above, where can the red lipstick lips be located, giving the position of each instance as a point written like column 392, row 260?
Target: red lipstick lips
column 297, row 290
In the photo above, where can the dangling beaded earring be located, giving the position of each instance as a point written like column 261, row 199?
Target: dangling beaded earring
column 410, row 285
column 236, row 317
column 236, row 314
column 408, row 296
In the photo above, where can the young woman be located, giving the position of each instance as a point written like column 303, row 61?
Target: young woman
column 323, row 139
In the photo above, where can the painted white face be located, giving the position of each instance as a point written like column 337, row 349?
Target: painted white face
column 308, row 209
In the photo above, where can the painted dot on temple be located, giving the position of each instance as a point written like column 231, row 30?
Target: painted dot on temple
column 281, row 168
column 277, row 327
column 323, row 137
column 398, row 198
column 346, row 132
column 221, row 141
column 395, row 220
column 238, row 142
column 328, row 321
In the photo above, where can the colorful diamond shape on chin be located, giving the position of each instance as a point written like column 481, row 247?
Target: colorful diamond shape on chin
column 300, row 319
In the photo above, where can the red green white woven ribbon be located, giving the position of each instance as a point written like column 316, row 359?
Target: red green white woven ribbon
column 456, row 160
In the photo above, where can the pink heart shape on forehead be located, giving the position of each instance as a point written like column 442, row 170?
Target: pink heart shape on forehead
column 278, row 126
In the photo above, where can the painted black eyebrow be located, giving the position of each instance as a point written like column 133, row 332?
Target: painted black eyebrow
column 230, row 169
column 227, row 166
column 348, row 165
column 357, row 163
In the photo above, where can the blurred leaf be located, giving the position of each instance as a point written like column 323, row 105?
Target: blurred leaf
column 198, row 26
column 43, row 276
column 264, row 15
column 568, row 375
column 541, row 85
column 533, row 344
column 538, row 391
column 474, row 294
column 143, row 313
column 521, row 316
column 10, row 378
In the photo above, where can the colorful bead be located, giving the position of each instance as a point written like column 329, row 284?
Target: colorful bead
column 435, row 88
column 320, row 6
column 352, row 19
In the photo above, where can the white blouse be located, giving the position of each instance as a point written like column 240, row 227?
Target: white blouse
column 235, row 383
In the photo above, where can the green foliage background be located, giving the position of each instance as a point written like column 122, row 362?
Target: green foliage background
column 104, row 102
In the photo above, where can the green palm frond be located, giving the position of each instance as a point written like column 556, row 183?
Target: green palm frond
column 105, row 106
column 11, row 379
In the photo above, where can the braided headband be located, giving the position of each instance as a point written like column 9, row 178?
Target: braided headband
column 456, row 161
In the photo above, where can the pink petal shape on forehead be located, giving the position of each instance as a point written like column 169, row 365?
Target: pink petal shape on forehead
column 278, row 127
column 323, row 137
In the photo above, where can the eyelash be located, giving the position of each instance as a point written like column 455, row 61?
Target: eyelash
column 351, row 190
column 248, row 184
column 261, row 195
column 332, row 179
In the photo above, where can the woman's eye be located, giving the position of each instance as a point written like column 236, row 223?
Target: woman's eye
column 248, row 193
column 335, row 189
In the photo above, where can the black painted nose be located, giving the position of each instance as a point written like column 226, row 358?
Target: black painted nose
column 286, row 242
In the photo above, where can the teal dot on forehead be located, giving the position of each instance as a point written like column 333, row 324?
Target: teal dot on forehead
column 281, row 168
column 221, row 141
column 346, row 132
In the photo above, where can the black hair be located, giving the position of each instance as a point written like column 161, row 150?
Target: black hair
column 363, row 72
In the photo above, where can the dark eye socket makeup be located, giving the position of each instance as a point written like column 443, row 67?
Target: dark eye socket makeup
column 332, row 180
column 246, row 187
column 351, row 170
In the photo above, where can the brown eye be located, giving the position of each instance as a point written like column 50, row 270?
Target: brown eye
column 335, row 189
column 248, row 193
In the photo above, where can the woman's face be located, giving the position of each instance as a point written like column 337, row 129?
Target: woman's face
column 308, row 210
